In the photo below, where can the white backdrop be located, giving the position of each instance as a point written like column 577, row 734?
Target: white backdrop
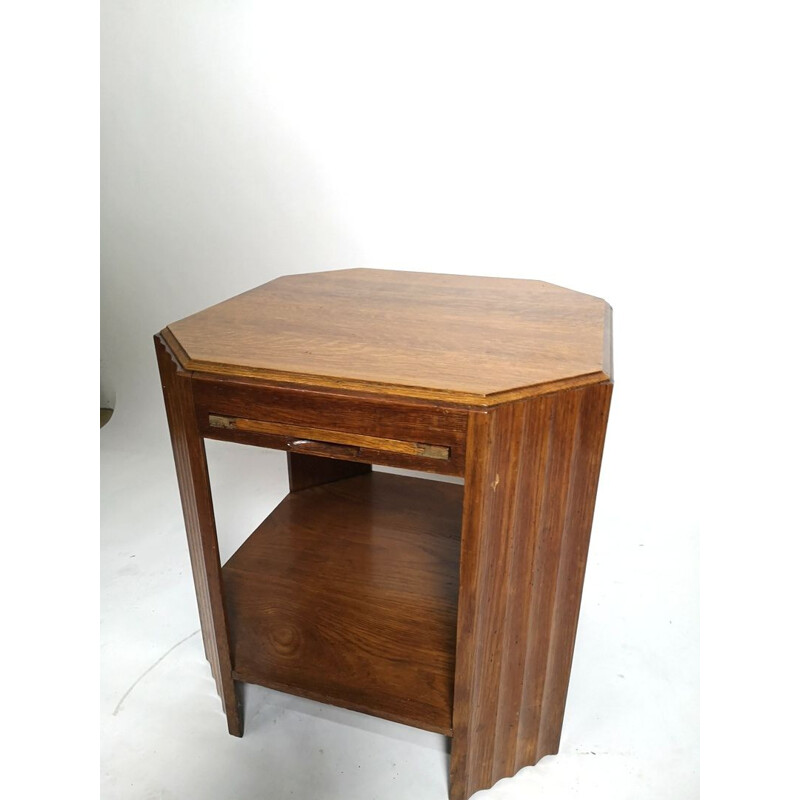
column 618, row 148
column 244, row 140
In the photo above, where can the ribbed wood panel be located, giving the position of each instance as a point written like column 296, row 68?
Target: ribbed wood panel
column 192, row 470
column 531, row 480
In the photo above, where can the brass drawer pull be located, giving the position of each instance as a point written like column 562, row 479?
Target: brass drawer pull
column 322, row 438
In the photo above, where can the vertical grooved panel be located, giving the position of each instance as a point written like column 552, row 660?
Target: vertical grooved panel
column 198, row 512
column 494, row 561
column 590, row 427
column 530, row 484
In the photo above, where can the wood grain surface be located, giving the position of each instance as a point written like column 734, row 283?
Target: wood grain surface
column 198, row 513
column 299, row 410
column 325, row 435
column 532, row 472
column 468, row 340
column 347, row 593
column 450, row 608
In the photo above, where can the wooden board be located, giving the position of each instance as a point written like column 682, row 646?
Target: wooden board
column 468, row 340
column 358, row 420
column 347, row 594
column 531, row 482
column 201, row 531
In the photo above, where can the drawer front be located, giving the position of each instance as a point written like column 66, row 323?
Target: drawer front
column 420, row 437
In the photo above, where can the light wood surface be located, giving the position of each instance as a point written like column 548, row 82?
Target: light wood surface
column 469, row 340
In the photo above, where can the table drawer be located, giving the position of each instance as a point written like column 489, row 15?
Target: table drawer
column 412, row 436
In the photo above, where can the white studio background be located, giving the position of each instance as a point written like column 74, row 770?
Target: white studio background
column 641, row 152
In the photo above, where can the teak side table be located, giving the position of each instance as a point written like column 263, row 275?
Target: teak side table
column 447, row 607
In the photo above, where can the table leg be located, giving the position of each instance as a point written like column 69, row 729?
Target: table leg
column 530, row 485
column 188, row 448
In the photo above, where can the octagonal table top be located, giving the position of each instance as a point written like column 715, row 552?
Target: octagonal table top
column 466, row 340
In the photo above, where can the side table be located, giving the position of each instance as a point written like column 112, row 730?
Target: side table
column 451, row 608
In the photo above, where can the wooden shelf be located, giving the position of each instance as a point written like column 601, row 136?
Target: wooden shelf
column 347, row 593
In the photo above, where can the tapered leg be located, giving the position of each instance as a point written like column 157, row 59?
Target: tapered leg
column 198, row 513
column 530, row 485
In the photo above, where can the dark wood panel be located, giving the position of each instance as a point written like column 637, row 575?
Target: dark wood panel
column 531, row 481
column 198, row 511
column 306, row 471
column 299, row 406
column 348, row 593
column 406, row 422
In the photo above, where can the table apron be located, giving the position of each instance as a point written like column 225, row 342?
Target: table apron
column 402, row 435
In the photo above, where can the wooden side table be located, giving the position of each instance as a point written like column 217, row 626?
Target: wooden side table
column 450, row 608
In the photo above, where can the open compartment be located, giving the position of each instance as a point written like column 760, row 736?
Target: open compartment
column 347, row 593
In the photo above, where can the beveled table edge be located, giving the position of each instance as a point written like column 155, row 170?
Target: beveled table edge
column 387, row 390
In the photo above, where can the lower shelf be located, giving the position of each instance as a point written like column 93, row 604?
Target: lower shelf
column 347, row 593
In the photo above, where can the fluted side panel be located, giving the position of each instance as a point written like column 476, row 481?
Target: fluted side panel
column 587, row 450
column 192, row 470
column 531, row 479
